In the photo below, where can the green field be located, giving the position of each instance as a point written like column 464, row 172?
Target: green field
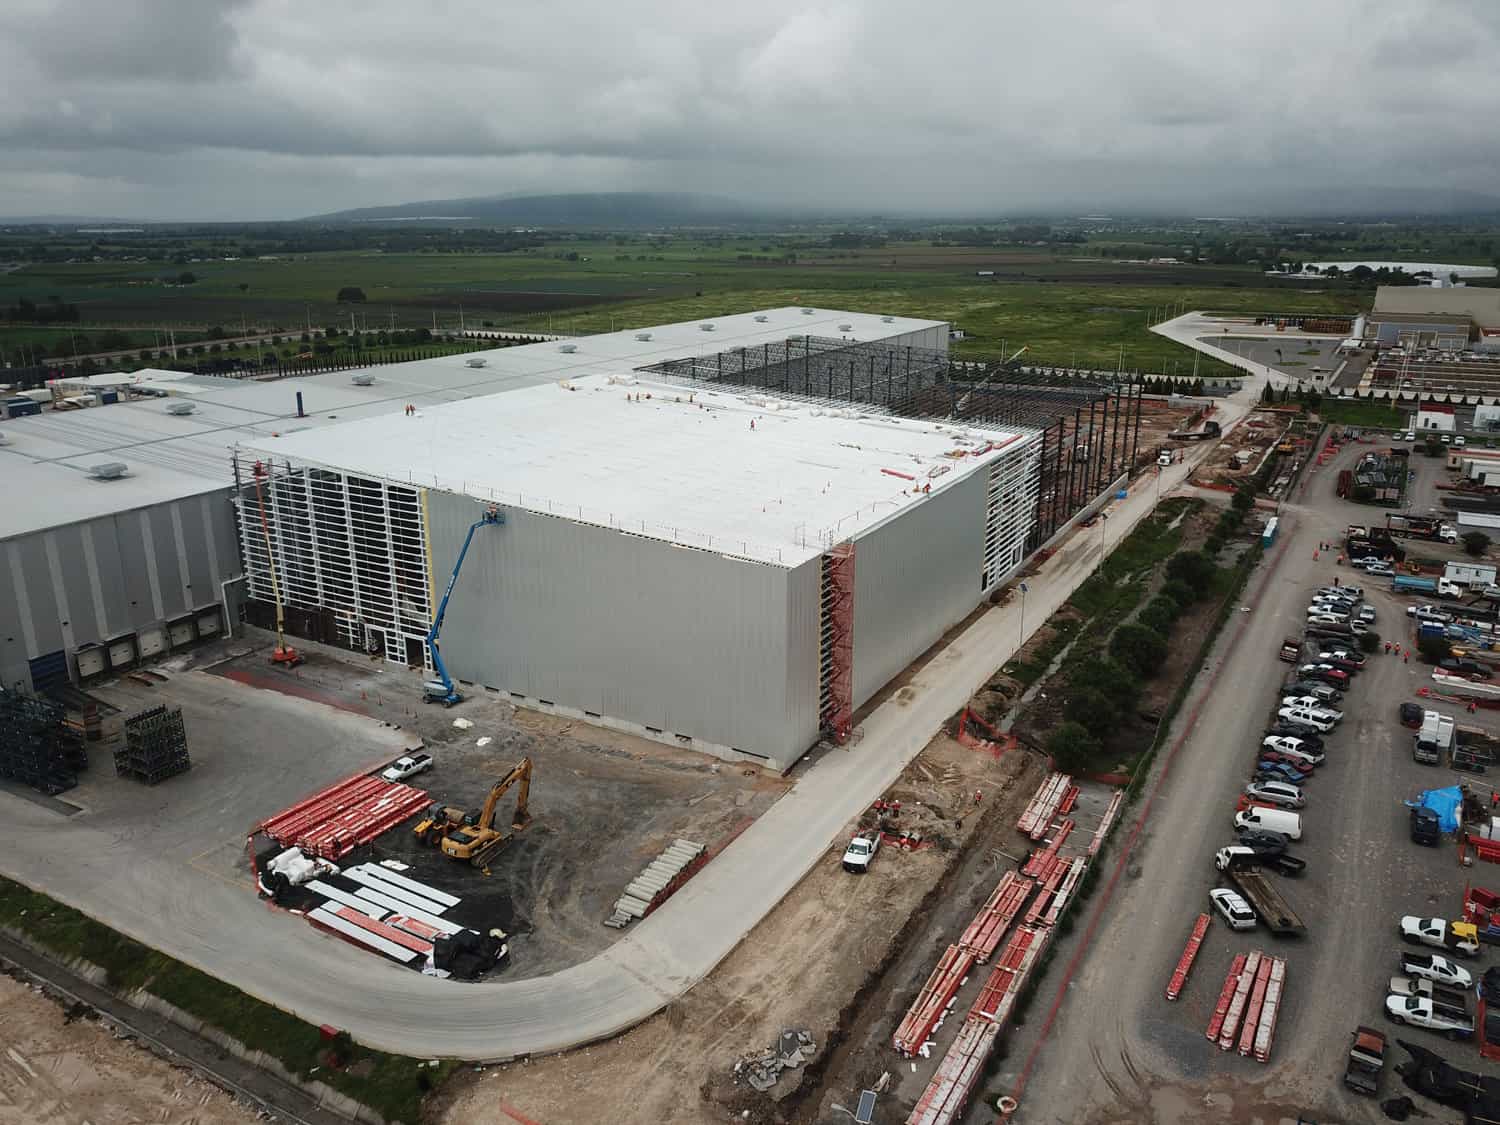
column 1064, row 305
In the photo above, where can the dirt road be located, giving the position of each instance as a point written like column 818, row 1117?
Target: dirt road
column 58, row 1070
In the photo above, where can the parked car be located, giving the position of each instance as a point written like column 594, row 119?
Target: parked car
column 1285, row 757
column 861, row 852
column 1324, row 693
column 1460, row 441
column 1460, row 938
column 1425, row 612
column 1366, row 1062
column 1316, row 720
column 1351, row 592
column 1348, row 655
column 1365, row 561
column 1327, row 673
column 1288, row 824
column 1421, row 1012
column 1367, row 614
column 1268, row 770
column 1380, row 570
column 1309, row 738
column 1280, row 793
column 1411, row 435
column 1232, row 908
column 1435, row 967
column 1470, row 668
column 1263, row 841
column 1411, row 715
column 408, row 766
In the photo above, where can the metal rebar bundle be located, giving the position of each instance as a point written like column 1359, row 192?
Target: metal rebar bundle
column 155, row 746
column 37, row 747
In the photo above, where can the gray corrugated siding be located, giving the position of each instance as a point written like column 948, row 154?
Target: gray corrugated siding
column 102, row 564
column 804, row 593
column 914, row 578
column 634, row 629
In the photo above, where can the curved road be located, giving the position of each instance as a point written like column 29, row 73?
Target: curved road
column 219, row 928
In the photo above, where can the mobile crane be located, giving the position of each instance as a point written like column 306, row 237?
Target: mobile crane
column 475, row 839
column 442, row 689
column 283, row 655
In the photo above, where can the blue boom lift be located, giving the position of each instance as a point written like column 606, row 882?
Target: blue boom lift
column 441, row 690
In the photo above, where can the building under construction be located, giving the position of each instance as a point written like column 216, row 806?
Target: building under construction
column 731, row 552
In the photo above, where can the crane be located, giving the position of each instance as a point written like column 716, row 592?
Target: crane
column 480, row 841
column 442, row 690
column 283, row 654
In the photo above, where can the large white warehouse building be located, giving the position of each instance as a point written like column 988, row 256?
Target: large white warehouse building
column 715, row 568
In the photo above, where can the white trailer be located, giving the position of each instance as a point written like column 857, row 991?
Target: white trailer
column 1470, row 574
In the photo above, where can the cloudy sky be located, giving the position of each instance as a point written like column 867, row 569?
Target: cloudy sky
column 250, row 109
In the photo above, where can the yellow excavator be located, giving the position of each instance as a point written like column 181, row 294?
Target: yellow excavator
column 472, row 837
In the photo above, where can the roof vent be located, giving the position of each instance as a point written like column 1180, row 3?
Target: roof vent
column 706, row 326
column 761, row 319
column 807, row 312
column 568, row 349
column 108, row 470
column 888, row 320
column 846, row 328
column 643, row 335
column 181, row 408
column 477, row 361
column 363, row 379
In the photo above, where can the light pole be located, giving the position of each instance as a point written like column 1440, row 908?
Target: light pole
column 1023, row 617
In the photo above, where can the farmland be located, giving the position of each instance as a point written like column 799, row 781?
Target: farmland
column 1066, row 304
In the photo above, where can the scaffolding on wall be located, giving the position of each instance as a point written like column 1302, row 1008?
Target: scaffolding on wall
column 353, row 548
column 836, row 643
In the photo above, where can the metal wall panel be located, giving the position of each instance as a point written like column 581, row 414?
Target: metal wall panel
column 915, row 576
column 804, row 585
column 683, row 641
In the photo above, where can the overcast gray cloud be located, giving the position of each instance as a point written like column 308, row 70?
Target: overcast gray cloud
column 229, row 109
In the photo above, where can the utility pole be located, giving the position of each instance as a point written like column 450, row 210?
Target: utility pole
column 1022, row 639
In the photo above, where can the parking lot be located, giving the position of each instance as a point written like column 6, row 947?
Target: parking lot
column 1148, row 1059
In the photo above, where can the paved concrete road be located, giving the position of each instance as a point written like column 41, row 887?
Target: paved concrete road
column 221, row 929
column 1116, row 1038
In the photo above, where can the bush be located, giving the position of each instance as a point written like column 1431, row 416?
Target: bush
column 1092, row 709
column 1116, row 682
column 1179, row 591
column 351, row 294
column 1139, row 648
column 1476, row 543
column 1071, row 747
column 1244, row 498
column 1369, row 641
column 1213, row 545
column 1193, row 568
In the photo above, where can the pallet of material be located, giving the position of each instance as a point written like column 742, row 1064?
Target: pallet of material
column 1011, row 970
column 396, row 906
column 996, row 915
column 932, row 1001
column 1265, row 1033
column 389, row 933
column 1189, row 955
column 1111, row 811
column 288, row 824
column 347, row 929
column 657, row 882
column 1039, row 862
column 397, row 879
column 1226, row 995
column 364, row 877
column 1064, row 892
column 344, row 898
column 362, row 822
column 1036, row 819
column 1239, row 999
column 1251, row 1020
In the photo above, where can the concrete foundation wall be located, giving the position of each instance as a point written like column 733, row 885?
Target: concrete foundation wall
column 84, row 583
column 915, row 577
column 685, row 646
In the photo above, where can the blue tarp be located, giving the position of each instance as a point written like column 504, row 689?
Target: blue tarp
column 1444, row 802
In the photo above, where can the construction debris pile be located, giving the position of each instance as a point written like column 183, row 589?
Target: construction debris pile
column 761, row 1070
column 155, row 746
column 658, row 882
column 37, row 746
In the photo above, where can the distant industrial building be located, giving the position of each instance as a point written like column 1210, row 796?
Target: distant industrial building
column 1421, row 316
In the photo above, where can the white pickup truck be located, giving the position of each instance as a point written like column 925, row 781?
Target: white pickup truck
column 861, row 851
column 1419, row 1011
column 408, row 765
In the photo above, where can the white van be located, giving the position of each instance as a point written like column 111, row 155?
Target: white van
column 1289, row 824
column 1320, row 719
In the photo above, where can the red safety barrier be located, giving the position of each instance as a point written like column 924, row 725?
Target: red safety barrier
column 1226, row 994
column 1189, row 955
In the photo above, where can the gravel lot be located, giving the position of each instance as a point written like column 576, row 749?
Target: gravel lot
column 1118, row 1051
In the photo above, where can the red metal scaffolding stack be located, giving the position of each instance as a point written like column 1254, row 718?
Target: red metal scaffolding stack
column 345, row 815
column 1106, row 822
column 1226, row 994
column 949, row 1090
column 1038, row 815
column 836, row 703
column 1238, row 999
column 996, row 915
column 932, row 1001
column 1189, row 955
column 1040, row 862
column 1265, row 1033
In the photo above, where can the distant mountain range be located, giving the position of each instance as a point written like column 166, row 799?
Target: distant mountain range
column 599, row 209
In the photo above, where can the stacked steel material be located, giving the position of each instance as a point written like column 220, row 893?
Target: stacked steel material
column 37, row 747
column 155, row 746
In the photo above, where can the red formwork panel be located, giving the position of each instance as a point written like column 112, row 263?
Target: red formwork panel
column 995, row 917
column 380, row 929
column 1238, row 1001
column 1036, row 818
column 1251, row 1022
column 927, row 1009
column 1226, row 994
column 1189, row 955
column 1064, row 892
column 1265, row 1034
column 946, row 1095
column 1111, row 811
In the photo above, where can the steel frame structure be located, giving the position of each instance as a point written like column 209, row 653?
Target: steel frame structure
column 354, row 546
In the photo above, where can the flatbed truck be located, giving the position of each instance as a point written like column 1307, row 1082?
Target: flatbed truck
column 1261, row 893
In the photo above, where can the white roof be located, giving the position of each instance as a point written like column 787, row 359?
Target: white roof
column 746, row 475
column 143, row 434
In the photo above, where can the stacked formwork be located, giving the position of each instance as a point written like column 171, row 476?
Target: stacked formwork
column 155, row 746
column 37, row 747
